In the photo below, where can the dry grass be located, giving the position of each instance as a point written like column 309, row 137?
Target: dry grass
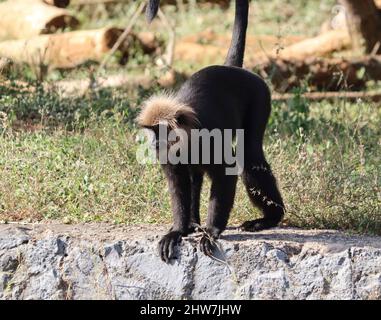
column 74, row 159
column 78, row 163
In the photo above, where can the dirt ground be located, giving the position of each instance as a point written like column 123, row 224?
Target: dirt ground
column 105, row 232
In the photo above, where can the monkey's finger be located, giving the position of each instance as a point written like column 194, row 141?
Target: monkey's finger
column 175, row 241
column 204, row 245
column 163, row 250
column 201, row 245
column 171, row 248
column 160, row 249
column 166, row 250
column 209, row 247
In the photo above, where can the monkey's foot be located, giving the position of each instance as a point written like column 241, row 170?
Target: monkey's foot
column 258, row 225
column 208, row 245
column 167, row 245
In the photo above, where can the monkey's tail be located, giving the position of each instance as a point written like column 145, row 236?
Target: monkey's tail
column 152, row 9
column 237, row 46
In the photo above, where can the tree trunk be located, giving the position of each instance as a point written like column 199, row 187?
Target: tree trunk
column 63, row 50
column 70, row 49
column 319, row 46
column 365, row 24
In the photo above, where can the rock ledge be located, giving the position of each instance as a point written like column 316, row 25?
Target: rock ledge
column 103, row 261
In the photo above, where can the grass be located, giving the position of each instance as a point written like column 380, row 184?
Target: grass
column 73, row 159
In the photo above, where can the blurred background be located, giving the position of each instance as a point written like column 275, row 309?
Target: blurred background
column 74, row 73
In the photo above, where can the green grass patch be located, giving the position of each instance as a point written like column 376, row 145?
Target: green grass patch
column 74, row 160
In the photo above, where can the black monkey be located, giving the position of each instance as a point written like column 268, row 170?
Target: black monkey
column 217, row 97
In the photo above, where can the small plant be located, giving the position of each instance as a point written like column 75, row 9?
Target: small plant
column 293, row 116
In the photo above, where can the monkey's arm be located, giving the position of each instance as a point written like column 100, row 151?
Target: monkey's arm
column 180, row 190
column 220, row 204
column 196, row 185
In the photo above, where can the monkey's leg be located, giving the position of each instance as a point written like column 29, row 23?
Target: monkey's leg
column 196, row 184
column 263, row 192
column 179, row 185
column 220, row 204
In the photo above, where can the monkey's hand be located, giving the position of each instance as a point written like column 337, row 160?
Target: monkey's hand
column 208, row 244
column 167, row 245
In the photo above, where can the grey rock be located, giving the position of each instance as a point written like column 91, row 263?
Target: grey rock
column 102, row 261
column 13, row 237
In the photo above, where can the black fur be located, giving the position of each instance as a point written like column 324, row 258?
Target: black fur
column 224, row 97
column 152, row 9
column 237, row 46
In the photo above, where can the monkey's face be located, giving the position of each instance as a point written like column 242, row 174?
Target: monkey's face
column 168, row 122
column 162, row 138
column 157, row 137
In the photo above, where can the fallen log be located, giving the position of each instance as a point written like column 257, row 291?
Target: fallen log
column 209, row 47
column 70, row 49
column 65, row 50
column 322, row 74
column 319, row 46
column 25, row 19
column 254, row 42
